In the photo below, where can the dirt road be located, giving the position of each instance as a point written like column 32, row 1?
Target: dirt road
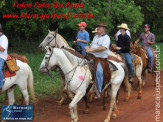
column 133, row 111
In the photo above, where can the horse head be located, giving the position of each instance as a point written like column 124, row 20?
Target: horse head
column 134, row 47
column 49, row 40
column 49, row 61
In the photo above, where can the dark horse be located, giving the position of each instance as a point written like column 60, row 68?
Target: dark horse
column 136, row 49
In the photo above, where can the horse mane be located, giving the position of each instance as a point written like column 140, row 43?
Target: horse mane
column 74, row 53
column 73, row 56
column 64, row 41
column 19, row 57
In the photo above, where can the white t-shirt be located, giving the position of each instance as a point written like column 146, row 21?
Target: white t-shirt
column 103, row 40
column 4, row 44
column 118, row 33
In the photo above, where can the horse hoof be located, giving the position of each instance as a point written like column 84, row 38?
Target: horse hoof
column 114, row 116
column 126, row 99
column 86, row 111
column 139, row 97
column 106, row 120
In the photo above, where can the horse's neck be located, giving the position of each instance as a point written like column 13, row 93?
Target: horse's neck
column 62, row 42
column 65, row 64
column 140, row 51
column 74, row 59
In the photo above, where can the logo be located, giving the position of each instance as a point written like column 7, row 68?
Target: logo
column 17, row 112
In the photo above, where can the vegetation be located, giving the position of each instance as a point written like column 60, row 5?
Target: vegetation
column 26, row 34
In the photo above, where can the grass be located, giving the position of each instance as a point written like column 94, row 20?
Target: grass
column 45, row 85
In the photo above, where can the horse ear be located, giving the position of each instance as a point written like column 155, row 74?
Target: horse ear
column 56, row 31
column 49, row 30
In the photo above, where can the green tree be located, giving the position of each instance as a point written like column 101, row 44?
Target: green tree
column 113, row 12
column 153, row 13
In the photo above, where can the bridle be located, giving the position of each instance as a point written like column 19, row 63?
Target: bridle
column 57, row 75
column 54, row 37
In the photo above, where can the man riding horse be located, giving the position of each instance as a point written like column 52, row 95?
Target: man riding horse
column 99, row 48
column 147, row 38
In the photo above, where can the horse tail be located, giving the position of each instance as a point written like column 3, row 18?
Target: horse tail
column 30, row 84
column 126, row 81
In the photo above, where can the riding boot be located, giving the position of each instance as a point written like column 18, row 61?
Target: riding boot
column 131, row 80
column 150, row 69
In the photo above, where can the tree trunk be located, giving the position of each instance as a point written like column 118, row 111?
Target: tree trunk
column 109, row 7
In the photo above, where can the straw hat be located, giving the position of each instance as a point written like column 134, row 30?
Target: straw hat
column 124, row 26
column 95, row 31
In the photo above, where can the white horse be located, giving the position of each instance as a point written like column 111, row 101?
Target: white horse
column 54, row 39
column 78, row 76
column 23, row 79
column 138, row 68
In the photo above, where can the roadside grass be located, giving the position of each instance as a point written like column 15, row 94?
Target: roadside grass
column 43, row 84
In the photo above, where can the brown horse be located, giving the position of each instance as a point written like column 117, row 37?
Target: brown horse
column 136, row 49
column 23, row 59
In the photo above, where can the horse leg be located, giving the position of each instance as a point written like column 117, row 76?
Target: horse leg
column 138, row 75
column 114, row 89
column 6, row 100
column 60, row 102
column 86, row 103
column 10, row 94
column 91, row 93
column 72, row 105
column 115, row 111
column 26, row 96
column 143, row 77
column 22, row 101
column 104, row 99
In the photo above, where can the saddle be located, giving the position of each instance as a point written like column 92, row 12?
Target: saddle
column 105, row 65
column 153, row 51
column 10, row 67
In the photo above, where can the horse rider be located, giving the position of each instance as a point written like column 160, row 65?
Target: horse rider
column 99, row 48
column 119, row 32
column 3, row 55
column 147, row 38
column 82, row 38
column 123, row 44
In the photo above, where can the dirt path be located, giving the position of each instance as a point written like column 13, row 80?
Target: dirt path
column 133, row 111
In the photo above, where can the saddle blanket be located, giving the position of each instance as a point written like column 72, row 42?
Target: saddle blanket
column 8, row 74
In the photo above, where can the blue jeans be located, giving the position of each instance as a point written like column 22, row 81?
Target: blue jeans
column 150, row 55
column 1, row 73
column 127, row 58
column 99, row 77
column 83, row 52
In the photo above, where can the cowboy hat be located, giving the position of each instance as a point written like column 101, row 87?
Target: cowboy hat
column 102, row 24
column 95, row 31
column 124, row 26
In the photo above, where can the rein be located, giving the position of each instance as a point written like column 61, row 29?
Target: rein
column 54, row 37
column 57, row 75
